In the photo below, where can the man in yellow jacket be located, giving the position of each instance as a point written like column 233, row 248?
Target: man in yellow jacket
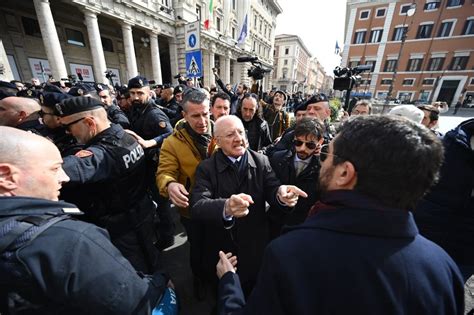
column 179, row 157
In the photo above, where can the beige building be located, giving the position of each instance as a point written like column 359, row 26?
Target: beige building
column 417, row 52
column 40, row 38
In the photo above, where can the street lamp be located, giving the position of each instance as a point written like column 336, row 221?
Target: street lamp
column 410, row 12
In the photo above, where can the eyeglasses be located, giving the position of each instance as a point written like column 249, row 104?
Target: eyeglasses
column 42, row 114
column 323, row 154
column 68, row 126
column 309, row 144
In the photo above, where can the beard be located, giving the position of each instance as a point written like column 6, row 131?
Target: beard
column 325, row 176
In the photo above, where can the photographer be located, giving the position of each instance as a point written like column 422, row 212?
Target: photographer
column 235, row 98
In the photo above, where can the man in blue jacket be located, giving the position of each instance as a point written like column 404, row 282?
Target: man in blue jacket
column 359, row 251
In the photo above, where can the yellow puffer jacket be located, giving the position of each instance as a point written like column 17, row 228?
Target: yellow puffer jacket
column 179, row 159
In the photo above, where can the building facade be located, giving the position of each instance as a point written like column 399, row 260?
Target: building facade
column 291, row 63
column 40, row 38
column 418, row 51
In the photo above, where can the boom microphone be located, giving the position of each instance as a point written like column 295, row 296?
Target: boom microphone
column 247, row 59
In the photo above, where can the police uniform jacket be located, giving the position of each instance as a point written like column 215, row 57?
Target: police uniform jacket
column 362, row 259
column 216, row 180
column 110, row 176
column 117, row 116
column 71, row 267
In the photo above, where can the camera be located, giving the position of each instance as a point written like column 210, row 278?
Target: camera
column 109, row 74
column 177, row 76
column 257, row 71
column 347, row 78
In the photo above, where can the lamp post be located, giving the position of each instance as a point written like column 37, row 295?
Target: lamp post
column 411, row 11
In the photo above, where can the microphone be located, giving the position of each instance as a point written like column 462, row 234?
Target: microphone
column 363, row 68
column 247, row 59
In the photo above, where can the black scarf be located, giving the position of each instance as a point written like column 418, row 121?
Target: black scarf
column 200, row 141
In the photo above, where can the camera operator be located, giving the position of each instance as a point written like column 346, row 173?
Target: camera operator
column 235, row 98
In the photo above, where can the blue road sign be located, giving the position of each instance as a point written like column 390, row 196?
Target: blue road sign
column 192, row 40
column 194, row 64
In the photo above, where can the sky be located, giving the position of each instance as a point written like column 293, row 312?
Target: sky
column 319, row 23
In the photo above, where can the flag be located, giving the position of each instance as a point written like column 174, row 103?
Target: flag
column 337, row 50
column 243, row 31
column 207, row 23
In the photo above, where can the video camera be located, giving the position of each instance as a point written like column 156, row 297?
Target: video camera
column 257, row 71
column 109, row 74
column 346, row 78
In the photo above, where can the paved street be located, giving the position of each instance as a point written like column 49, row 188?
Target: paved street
column 448, row 121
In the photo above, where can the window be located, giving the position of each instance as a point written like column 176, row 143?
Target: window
column 424, row 95
column 75, row 37
column 408, row 81
column 234, row 4
column 431, row 5
column 459, row 63
column 468, row 28
column 287, row 51
column 218, row 24
column 371, row 63
column 232, row 31
column 255, row 21
column 390, row 65
column 414, row 64
column 471, row 82
column 399, row 32
column 386, row 82
column 454, row 3
column 435, row 64
column 284, row 73
column 380, row 12
column 198, row 12
column 359, row 37
column 364, row 15
column 405, row 97
column 424, row 31
column 428, row 81
column 285, row 62
column 261, row 23
column 31, row 26
column 375, row 36
column 445, row 29
column 107, row 44
column 404, row 9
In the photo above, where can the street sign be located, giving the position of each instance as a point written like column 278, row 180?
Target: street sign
column 192, row 36
column 194, row 64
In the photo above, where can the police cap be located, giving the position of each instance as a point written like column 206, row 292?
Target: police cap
column 137, row 82
column 300, row 106
column 52, row 88
column 78, row 104
column 178, row 89
column 29, row 93
column 81, row 89
column 282, row 93
column 50, row 99
column 7, row 89
column 99, row 87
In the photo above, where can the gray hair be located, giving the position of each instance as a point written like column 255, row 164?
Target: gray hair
column 193, row 95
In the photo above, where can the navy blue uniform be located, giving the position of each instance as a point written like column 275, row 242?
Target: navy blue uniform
column 109, row 175
column 71, row 267
column 117, row 116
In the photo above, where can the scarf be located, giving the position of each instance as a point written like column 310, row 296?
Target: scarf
column 345, row 199
column 200, row 141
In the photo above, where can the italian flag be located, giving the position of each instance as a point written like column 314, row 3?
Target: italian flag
column 207, row 23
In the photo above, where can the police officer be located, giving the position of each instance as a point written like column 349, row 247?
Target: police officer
column 53, row 264
column 170, row 99
column 64, row 141
column 115, row 114
column 110, row 175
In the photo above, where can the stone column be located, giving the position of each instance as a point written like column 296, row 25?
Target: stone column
column 97, row 51
column 129, row 48
column 212, row 51
column 155, row 57
column 227, row 68
column 50, row 39
column 7, row 70
column 174, row 58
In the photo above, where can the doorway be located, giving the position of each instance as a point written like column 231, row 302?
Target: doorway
column 447, row 91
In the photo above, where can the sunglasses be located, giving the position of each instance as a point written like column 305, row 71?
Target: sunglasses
column 42, row 114
column 309, row 144
column 68, row 126
column 323, row 154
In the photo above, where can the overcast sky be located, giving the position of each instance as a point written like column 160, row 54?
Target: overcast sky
column 319, row 23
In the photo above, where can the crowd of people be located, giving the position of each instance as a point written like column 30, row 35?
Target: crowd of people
column 291, row 211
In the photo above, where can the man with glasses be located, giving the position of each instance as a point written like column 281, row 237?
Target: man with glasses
column 258, row 133
column 109, row 174
column 298, row 166
column 229, row 198
column 361, row 234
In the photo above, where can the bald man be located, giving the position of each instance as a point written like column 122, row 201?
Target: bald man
column 22, row 113
column 50, row 263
